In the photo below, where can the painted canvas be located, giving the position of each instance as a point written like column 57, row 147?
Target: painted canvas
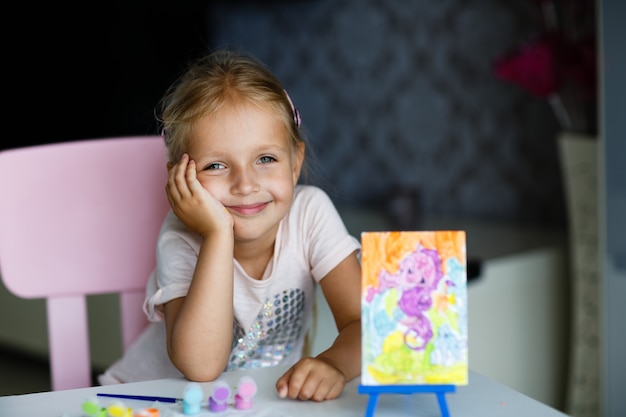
column 414, row 308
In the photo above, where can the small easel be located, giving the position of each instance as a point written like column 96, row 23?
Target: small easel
column 374, row 390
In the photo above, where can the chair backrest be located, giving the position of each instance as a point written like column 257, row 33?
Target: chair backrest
column 81, row 218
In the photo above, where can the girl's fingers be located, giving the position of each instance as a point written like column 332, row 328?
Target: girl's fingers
column 299, row 382
column 193, row 185
column 196, row 207
column 180, row 176
column 331, row 391
column 307, row 380
column 311, row 389
column 282, row 385
column 178, row 185
column 171, row 189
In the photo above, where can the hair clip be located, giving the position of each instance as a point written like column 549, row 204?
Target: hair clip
column 296, row 113
column 220, row 393
column 246, row 389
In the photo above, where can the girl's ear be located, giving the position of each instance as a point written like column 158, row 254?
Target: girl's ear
column 298, row 160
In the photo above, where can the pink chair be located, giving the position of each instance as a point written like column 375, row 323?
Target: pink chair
column 81, row 218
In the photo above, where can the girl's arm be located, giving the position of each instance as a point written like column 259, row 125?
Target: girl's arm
column 324, row 377
column 199, row 325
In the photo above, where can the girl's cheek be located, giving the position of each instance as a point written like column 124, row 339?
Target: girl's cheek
column 208, row 186
column 213, row 186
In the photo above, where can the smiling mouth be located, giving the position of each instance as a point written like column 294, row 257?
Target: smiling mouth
column 249, row 209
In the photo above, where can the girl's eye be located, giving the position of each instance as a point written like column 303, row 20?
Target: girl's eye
column 266, row 159
column 214, row 166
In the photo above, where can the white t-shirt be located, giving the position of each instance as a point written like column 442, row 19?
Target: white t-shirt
column 272, row 315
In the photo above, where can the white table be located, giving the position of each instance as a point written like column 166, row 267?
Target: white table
column 481, row 398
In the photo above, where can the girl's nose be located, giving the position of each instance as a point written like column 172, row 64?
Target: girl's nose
column 244, row 181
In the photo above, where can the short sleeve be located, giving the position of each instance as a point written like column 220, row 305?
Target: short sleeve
column 177, row 254
column 326, row 239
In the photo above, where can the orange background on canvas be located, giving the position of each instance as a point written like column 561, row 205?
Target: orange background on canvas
column 385, row 250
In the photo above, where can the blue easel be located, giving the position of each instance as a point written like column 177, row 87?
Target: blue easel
column 375, row 390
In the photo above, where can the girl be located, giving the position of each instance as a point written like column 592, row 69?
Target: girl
column 240, row 252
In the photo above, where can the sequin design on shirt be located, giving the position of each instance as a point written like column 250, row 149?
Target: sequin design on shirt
column 273, row 335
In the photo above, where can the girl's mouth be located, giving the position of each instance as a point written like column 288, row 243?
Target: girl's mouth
column 249, row 209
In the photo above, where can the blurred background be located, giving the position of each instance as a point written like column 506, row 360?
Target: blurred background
column 394, row 95
column 402, row 106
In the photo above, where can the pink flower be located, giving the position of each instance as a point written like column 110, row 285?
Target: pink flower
column 560, row 65
column 532, row 66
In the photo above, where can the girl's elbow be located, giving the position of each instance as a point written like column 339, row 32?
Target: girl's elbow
column 197, row 371
column 200, row 375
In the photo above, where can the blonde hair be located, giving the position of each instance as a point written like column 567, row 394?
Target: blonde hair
column 215, row 79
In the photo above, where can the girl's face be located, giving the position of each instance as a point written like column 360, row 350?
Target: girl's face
column 246, row 160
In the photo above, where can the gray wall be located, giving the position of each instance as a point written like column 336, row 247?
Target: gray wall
column 401, row 93
column 613, row 202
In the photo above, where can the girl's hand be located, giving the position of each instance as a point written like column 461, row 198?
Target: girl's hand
column 192, row 204
column 311, row 379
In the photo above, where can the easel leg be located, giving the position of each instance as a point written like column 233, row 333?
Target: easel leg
column 443, row 406
column 371, row 405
